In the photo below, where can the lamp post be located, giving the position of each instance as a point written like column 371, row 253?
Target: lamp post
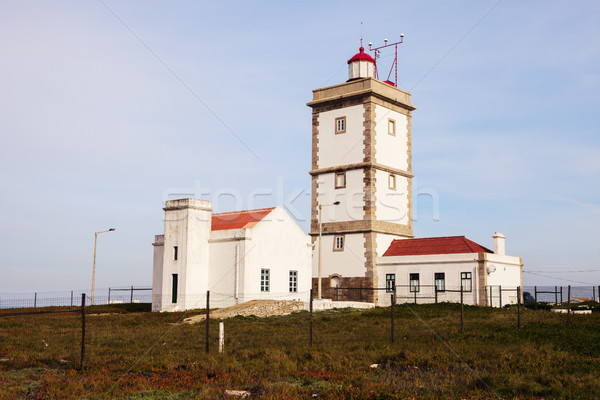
column 320, row 235
column 94, row 269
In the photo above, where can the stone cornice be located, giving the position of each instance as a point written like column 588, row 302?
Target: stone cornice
column 362, row 87
column 364, row 165
column 361, row 226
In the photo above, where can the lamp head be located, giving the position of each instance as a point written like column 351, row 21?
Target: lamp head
column 111, row 229
column 336, row 203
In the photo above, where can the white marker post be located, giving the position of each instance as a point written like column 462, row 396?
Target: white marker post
column 221, row 337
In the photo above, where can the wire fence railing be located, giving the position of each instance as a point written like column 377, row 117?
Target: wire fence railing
column 132, row 294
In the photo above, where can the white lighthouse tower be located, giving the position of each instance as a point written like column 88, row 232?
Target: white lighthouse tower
column 361, row 158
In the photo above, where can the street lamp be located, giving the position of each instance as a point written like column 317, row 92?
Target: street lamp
column 94, row 270
column 320, row 247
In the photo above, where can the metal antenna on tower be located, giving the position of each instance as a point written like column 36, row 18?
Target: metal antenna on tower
column 377, row 54
column 361, row 35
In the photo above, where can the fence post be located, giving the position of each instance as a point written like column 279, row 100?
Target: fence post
column 593, row 293
column 35, row 300
column 395, row 293
column 310, row 312
column 415, row 292
column 535, row 293
column 599, row 294
column 221, row 337
column 436, row 294
column 555, row 294
column 131, row 298
column 71, row 298
column 336, row 294
column 392, row 315
column 500, row 294
column 462, row 322
column 561, row 298
column 81, row 362
column 569, row 304
column 207, row 319
column 108, row 296
column 491, row 296
column 518, row 306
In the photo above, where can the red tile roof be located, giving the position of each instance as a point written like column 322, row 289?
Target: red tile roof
column 238, row 219
column 434, row 245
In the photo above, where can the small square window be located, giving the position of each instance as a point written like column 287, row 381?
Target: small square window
column 293, row 281
column 340, row 180
column 391, row 127
column 340, row 125
column 392, row 182
column 338, row 243
column 175, row 253
column 265, row 278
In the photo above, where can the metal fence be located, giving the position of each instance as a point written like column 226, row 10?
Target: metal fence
column 72, row 298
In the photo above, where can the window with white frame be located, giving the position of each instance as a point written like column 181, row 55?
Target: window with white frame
column 392, row 182
column 340, row 180
column 293, row 281
column 390, row 282
column 440, row 281
column 391, row 127
column 466, row 281
column 340, row 125
column 338, row 242
column 414, row 282
column 265, row 280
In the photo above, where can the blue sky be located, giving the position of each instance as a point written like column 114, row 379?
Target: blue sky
column 107, row 107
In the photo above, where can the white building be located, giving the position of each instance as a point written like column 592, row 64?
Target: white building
column 238, row 256
column 362, row 159
column 423, row 269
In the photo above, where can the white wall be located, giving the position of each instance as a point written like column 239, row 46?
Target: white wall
column 157, row 273
column 351, row 197
column 391, row 205
column 344, row 148
column 280, row 245
column 506, row 274
column 426, row 266
column 391, row 150
column 187, row 226
column 349, row 262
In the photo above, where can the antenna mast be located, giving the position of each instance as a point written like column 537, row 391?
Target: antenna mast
column 377, row 52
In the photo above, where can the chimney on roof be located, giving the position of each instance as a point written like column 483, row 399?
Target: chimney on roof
column 499, row 244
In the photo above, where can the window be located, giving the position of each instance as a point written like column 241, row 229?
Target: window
column 440, row 281
column 414, row 282
column 391, row 127
column 392, row 182
column 340, row 180
column 390, row 282
column 174, row 289
column 336, row 282
column 293, row 281
column 264, row 280
column 340, row 125
column 175, row 252
column 338, row 243
column 465, row 281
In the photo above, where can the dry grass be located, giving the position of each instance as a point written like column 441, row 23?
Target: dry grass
column 142, row 355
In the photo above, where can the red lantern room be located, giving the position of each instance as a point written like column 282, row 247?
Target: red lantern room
column 361, row 65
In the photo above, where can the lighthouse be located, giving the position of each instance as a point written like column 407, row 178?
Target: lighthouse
column 361, row 172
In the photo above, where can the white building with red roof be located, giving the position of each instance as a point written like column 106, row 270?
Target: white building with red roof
column 238, row 256
column 434, row 269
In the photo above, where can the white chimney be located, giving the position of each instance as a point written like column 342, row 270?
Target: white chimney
column 499, row 244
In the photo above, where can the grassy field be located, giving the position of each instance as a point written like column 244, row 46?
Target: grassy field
column 135, row 354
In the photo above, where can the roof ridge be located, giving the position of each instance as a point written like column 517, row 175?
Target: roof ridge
column 246, row 211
